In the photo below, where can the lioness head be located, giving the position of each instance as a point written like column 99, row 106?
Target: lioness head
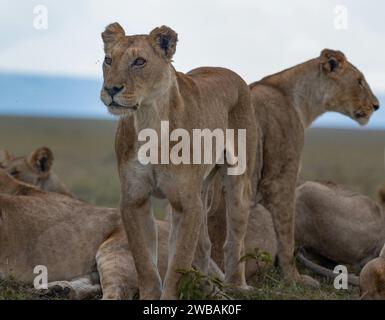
column 372, row 279
column 346, row 88
column 31, row 169
column 137, row 69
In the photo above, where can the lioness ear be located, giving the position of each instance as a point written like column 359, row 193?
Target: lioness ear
column 112, row 34
column 5, row 156
column 41, row 160
column 332, row 61
column 164, row 40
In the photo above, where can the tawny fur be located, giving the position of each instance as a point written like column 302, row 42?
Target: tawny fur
column 34, row 169
column 345, row 228
column 372, row 279
column 286, row 103
column 144, row 93
column 260, row 236
column 71, row 263
column 335, row 223
column 43, row 228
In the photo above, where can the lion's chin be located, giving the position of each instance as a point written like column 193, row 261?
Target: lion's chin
column 121, row 111
column 362, row 121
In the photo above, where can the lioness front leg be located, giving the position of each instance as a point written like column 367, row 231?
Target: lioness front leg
column 183, row 241
column 142, row 237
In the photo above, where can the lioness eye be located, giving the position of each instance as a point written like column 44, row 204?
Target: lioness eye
column 360, row 82
column 108, row 61
column 139, row 62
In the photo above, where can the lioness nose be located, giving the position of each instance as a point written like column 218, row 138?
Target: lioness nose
column 114, row 90
column 376, row 107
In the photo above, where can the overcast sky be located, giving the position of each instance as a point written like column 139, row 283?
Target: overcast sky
column 254, row 38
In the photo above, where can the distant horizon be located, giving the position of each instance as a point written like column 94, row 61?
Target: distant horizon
column 115, row 119
column 59, row 97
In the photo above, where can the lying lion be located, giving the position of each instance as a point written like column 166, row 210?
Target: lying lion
column 334, row 224
column 107, row 264
column 83, row 247
column 34, row 169
column 343, row 227
column 339, row 225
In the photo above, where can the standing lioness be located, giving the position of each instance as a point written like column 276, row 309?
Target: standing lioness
column 142, row 87
column 286, row 104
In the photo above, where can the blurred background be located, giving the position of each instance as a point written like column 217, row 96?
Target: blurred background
column 50, row 75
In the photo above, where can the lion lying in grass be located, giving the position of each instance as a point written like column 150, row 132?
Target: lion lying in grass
column 339, row 225
column 343, row 227
column 80, row 244
column 34, row 169
column 84, row 247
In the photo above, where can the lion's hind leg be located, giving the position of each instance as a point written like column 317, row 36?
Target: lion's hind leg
column 116, row 267
column 237, row 213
